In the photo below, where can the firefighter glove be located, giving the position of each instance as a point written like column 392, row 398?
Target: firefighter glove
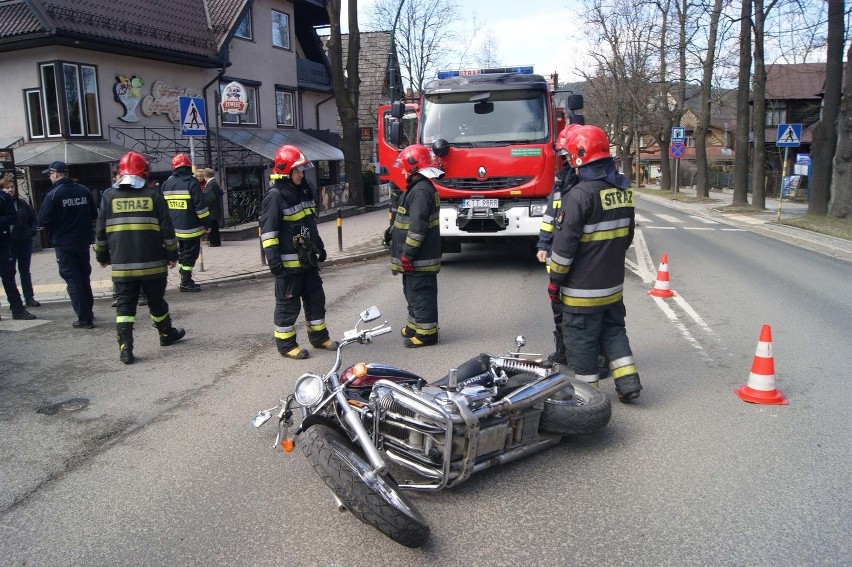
column 407, row 266
column 322, row 255
column 553, row 292
column 386, row 239
column 277, row 269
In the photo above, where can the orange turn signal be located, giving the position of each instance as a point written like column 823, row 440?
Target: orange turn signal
column 360, row 370
column 287, row 444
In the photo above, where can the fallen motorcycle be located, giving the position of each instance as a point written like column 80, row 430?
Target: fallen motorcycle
column 487, row 412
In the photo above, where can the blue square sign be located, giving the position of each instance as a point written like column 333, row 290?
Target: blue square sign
column 192, row 116
column 789, row 136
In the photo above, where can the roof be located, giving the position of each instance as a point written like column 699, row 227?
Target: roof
column 795, row 81
column 195, row 28
column 267, row 142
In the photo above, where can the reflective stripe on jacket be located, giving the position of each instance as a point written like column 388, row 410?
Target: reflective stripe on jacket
column 187, row 206
column 288, row 211
column 416, row 228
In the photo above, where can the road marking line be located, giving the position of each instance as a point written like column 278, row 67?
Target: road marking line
column 644, row 263
column 698, row 228
column 669, row 218
column 692, row 313
column 745, row 219
column 733, row 230
column 661, row 227
column 705, row 220
column 680, row 326
column 641, row 218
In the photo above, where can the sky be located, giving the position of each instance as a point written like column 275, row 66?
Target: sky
column 542, row 33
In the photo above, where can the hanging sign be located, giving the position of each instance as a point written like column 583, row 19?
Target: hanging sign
column 234, row 98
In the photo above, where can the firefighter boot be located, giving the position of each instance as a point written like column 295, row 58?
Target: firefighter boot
column 186, row 283
column 558, row 357
column 418, row 341
column 627, row 388
column 169, row 334
column 321, row 340
column 125, row 342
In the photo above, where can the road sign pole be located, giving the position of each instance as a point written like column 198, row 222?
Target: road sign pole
column 783, row 175
column 676, row 176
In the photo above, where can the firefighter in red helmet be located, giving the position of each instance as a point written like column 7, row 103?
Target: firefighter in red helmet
column 593, row 231
column 294, row 249
column 416, row 245
column 190, row 216
column 134, row 234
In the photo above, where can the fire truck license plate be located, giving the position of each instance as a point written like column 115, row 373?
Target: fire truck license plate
column 470, row 203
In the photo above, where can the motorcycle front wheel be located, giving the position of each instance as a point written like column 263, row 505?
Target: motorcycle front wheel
column 577, row 410
column 374, row 499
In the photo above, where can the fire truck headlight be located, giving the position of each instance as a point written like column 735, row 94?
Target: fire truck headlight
column 537, row 210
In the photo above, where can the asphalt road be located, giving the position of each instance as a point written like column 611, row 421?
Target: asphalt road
column 163, row 468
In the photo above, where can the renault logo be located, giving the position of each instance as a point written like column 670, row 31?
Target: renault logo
column 481, row 172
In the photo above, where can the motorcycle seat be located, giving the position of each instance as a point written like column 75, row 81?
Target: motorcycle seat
column 473, row 371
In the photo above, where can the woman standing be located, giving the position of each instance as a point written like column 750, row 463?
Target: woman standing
column 22, row 239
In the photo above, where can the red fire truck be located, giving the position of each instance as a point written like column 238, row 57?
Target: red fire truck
column 493, row 132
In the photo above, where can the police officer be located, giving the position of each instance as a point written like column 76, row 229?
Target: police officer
column 416, row 245
column 190, row 217
column 294, row 249
column 69, row 211
column 566, row 178
column 134, row 234
column 8, row 219
column 594, row 229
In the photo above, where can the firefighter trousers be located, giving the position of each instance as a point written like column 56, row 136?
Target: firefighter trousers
column 586, row 334
column 291, row 292
column 421, row 293
column 127, row 298
column 188, row 250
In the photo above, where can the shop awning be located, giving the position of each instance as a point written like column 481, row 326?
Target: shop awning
column 72, row 152
column 267, row 142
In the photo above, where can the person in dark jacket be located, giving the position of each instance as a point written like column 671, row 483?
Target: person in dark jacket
column 416, row 245
column 293, row 249
column 190, row 217
column 69, row 211
column 8, row 218
column 23, row 232
column 213, row 198
column 593, row 231
column 134, row 235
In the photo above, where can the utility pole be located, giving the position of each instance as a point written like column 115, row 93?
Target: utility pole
column 392, row 56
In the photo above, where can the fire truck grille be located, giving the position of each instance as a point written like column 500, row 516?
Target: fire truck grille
column 491, row 184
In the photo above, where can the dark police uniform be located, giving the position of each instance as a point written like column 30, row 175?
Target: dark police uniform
column 417, row 235
column 293, row 247
column 8, row 217
column 593, row 232
column 68, row 211
column 190, row 216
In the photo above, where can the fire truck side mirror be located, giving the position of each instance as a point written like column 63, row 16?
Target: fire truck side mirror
column 395, row 133
column 576, row 119
column 398, row 109
column 575, row 102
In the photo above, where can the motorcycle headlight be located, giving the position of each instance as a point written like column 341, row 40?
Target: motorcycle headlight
column 537, row 210
column 309, row 390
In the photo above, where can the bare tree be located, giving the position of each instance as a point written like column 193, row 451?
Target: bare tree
column 741, row 145
column 346, row 86
column 825, row 136
column 424, row 41
column 488, row 54
column 702, row 184
column 759, row 93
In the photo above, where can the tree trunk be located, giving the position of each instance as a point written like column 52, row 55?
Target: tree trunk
column 840, row 205
column 759, row 89
column 825, row 135
column 662, row 138
column 702, row 184
column 741, row 145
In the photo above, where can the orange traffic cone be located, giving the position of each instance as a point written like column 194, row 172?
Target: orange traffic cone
column 661, row 286
column 760, row 388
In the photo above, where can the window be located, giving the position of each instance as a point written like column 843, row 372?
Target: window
column 775, row 115
column 244, row 27
column 74, row 91
column 50, row 96
column 72, row 99
column 284, row 108
column 250, row 116
column 34, row 114
column 90, row 100
column 280, row 29
column 689, row 141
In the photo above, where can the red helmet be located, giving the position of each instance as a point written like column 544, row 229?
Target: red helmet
column 562, row 139
column 133, row 170
column 289, row 157
column 417, row 159
column 586, row 144
column 181, row 160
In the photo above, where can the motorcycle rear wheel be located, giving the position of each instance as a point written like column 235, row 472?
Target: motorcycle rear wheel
column 578, row 410
column 374, row 499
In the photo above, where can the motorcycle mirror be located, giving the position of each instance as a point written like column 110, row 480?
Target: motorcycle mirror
column 370, row 314
column 520, row 341
column 261, row 418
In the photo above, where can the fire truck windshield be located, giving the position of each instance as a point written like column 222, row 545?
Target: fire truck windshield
column 482, row 119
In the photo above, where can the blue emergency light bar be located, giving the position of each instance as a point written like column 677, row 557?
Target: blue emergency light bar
column 524, row 70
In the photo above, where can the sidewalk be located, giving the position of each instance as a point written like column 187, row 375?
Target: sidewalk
column 234, row 260
column 362, row 239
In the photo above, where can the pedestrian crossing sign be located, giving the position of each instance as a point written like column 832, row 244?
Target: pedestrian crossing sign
column 192, row 116
column 789, row 136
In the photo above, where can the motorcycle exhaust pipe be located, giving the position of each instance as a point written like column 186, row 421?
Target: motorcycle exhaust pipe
column 527, row 395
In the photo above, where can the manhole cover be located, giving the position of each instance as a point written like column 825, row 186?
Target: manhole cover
column 74, row 404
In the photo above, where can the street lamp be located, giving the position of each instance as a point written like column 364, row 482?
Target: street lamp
column 392, row 58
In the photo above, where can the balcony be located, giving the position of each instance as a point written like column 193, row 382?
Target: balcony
column 312, row 75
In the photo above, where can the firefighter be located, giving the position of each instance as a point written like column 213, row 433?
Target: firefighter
column 293, row 249
column 134, row 234
column 566, row 178
column 593, row 230
column 416, row 245
column 190, row 217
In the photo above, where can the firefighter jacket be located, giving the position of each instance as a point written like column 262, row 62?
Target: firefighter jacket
column 565, row 180
column 134, row 233
column 417, row 229
column 592, row 232
column 187, row 206
column 288, row 225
